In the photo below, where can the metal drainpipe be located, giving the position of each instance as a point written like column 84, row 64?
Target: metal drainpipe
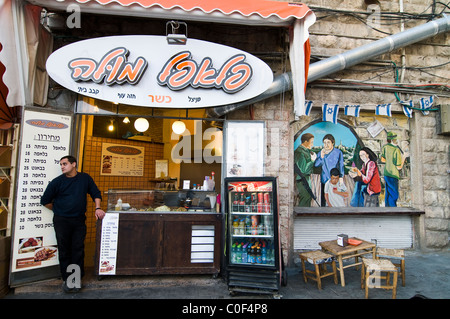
column 344, row 60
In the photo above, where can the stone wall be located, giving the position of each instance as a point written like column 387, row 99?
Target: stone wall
column 424, row 181
column 337, row 32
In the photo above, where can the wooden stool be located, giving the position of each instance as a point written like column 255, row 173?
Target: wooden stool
column 396, row 256
column 373, row 269
column 319, row 259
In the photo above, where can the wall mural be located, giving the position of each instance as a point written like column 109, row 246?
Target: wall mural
column 334, row 168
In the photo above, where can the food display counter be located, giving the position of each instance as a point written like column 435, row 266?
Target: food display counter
column 159, row 232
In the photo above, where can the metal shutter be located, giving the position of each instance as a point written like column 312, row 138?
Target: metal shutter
column 389, row 231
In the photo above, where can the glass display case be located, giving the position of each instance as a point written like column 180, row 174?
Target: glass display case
column 186, row 200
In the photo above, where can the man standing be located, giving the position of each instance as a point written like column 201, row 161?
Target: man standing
column 392, row 156
column 66, row 197
column 304, row 159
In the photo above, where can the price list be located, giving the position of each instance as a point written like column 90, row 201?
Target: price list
column 108, row 244
column 45, row 139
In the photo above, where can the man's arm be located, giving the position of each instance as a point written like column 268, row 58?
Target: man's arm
column 99, row 213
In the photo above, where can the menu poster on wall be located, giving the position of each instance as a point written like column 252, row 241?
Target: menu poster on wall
column 108, row 244
column 244, row 144
column 122, row 160
column 45, row 139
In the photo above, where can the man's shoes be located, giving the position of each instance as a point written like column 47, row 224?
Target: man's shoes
column 66, row 288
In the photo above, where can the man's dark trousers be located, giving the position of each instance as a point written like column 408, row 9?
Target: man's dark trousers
column 70, row 235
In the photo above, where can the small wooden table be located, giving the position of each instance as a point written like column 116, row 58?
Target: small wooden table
column 347, row 252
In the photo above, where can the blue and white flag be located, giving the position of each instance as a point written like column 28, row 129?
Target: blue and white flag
column 384, row 109
column 352, row 110
column 308, row 107
column 426, row 103
column 330, row 112
column 407, row 108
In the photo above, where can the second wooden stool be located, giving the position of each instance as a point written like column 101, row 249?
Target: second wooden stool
column 319, row 259
column 371, row 275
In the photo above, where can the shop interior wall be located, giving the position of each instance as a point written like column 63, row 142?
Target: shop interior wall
column 91, row 155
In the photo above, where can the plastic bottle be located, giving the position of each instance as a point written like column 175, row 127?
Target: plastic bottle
column 248, row 225
column 236, row 227
column 264, row 253
column 119, row 204
column 238, row 253
column 258, row 255
column 205, row 184
column 233, row 253
column 241, row 227
column 244, row 256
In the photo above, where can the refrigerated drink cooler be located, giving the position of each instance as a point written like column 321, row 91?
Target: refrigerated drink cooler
column 252, row 252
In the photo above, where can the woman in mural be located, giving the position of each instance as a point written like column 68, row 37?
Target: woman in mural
column 328, row 158
column 370, row 176
column 304, row 160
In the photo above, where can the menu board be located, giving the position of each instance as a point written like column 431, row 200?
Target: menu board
column 45, row 139
column 244, row 144
column 108, row 244
column 122, row 160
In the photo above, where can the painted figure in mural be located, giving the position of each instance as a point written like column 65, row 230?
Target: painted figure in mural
column 335, row 192
column 391, row 154
column 370, row 176
column 328, row 158
column 304, row 160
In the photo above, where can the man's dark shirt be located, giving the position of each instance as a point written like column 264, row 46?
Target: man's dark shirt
column 68, row 194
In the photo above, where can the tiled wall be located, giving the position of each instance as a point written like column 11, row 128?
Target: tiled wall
column 92, row 162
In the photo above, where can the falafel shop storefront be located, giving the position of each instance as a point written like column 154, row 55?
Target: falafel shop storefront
column 109, row 82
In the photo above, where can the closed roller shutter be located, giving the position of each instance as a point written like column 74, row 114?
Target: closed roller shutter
column 390, row 232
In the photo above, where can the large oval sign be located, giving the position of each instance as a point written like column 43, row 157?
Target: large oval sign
column 147, row 71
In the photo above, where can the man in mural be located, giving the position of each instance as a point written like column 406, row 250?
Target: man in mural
column 328, row 158
column 391, row 155
column 304, row 160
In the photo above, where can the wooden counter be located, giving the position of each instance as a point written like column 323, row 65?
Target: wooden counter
column 166, row 243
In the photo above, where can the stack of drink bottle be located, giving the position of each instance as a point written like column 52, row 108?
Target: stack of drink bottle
column 253, row 252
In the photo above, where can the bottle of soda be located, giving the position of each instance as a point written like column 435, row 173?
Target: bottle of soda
column 264, row 253
column 248, row 225
column 244, row 256
column 238, row 252
column 258, row 255
column 233, row 253
column 236, row 202
column 242, row 203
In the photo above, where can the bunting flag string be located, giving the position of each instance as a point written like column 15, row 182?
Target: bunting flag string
column 383, row 109
column 308, row 107
column 352, row 110
column 407, row 108
column 426, row 103
column 330, row 112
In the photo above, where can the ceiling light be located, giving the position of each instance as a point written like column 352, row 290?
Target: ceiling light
column 178, row 127
column 111, row 126
column 141, row 124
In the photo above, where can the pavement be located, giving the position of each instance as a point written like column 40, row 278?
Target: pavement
column 427, row 277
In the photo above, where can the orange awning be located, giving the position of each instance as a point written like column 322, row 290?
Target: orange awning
column 246, row 12
column 247, row 8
